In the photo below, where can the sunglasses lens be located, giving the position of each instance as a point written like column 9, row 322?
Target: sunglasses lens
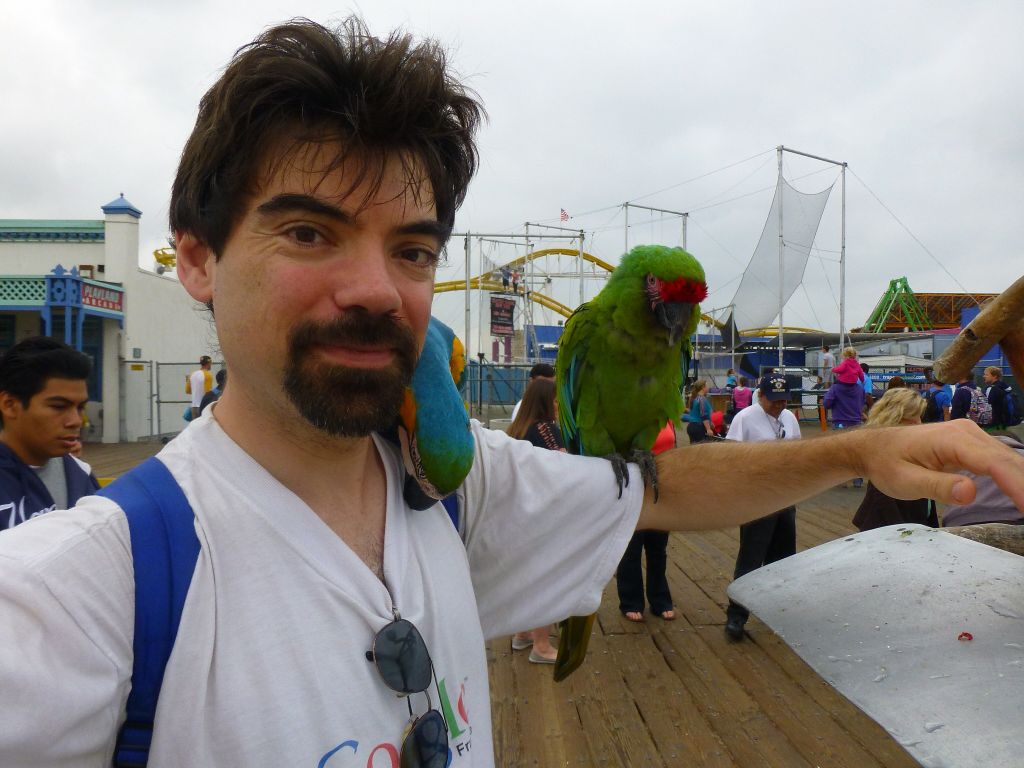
column 426, row 746
column 401, row 657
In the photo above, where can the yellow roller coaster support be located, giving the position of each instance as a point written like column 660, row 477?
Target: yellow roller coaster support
column 535, row 296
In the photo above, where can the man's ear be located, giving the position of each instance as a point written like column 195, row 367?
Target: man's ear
column 10, row 406
column 196, row 266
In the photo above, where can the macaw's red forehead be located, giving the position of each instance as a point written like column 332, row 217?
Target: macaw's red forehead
column 684, row 290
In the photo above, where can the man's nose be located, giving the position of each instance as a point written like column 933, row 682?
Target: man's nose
column 74, row 419
column 367, row 280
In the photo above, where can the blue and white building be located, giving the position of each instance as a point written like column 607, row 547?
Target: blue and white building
column 79, row 281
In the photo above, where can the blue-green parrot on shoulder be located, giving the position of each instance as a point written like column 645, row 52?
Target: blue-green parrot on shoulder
column 621, row 365
column 433, row 425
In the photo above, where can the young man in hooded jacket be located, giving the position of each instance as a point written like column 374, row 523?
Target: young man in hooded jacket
column 42, row 396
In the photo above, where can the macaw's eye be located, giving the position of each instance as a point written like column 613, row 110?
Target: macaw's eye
column 652, row 281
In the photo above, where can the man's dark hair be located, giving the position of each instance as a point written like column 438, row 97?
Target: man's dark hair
column 824, row 347
column 865, row 367
column 303, row 84
column 542, row 369
column 25, row 367
column 222, row 376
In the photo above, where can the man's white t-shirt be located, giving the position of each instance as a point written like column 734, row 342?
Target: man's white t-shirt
column 828, row 362
column 197, row 383
column 755, row 425
column 269, row 667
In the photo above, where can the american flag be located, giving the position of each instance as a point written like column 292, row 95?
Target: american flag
column 564, row 215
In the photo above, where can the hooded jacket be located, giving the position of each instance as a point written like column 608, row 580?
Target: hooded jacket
column 23, row 494
column 997, row 395
column 846, row 402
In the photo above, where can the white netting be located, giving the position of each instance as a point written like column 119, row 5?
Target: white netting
column 757, row 298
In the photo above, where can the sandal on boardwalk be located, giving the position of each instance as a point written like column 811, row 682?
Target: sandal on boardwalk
column 536, row 658
column 634, row 616
column 521, row 643
column 667, row 615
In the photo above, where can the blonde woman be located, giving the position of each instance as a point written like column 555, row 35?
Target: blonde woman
column 698, row 418
column 897, row 407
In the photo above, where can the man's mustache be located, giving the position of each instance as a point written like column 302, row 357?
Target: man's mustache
column 356, row 329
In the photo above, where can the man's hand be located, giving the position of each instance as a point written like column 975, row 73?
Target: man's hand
column 916, row 462
column 718, row 485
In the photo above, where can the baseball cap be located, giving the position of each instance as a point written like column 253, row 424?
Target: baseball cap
column 774, row 387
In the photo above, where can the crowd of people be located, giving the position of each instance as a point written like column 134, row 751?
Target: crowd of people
column 309, row 219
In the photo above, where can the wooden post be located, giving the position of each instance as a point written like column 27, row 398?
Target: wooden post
column 1005, row 313
column 999, row 535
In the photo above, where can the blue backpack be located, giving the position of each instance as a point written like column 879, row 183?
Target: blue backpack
column 161, row 526
column 163, row 537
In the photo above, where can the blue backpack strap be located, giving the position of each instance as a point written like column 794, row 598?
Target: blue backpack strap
column 164, row 553
column 451, row 506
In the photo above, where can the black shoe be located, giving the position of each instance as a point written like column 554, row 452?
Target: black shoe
column 734, row 628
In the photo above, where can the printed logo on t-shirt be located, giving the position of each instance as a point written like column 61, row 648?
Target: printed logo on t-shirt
column 386, row 754
column 15, row 512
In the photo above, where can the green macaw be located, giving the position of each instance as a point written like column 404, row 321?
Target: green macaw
column 432, row 428
column 621, row 364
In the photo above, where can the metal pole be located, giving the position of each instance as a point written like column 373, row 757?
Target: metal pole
column 528, row 263
column 581, row 266
column 467, row 238
column 732, row 330
column 483, row 304
column 782, row 256
column 686, row 216
column 813, row 157
column 842, row 267
column 157, row 364
column 626, row 228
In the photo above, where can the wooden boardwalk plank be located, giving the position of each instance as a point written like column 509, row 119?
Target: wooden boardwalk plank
column 678, row 693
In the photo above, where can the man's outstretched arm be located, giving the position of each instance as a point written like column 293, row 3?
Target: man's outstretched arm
column 719, row 485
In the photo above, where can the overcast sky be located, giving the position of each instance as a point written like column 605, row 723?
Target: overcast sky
column 593, row 104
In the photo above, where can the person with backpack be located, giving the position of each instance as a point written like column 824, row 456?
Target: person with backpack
column 969, row 402
column 1001, row 397
column 937, row 403
column 258, row 593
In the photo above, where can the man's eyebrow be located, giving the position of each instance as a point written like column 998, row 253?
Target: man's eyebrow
column 306, row 203
column 429, row 227
column 297, row 202
column 58, row 400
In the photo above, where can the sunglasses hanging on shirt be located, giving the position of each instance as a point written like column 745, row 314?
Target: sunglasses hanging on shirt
column 403, row 662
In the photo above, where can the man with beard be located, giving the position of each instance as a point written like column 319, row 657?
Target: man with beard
column 310, row 208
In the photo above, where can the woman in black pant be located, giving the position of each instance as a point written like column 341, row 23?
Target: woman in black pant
column 629, row 578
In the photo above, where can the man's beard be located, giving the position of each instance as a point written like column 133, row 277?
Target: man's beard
column 343, row 401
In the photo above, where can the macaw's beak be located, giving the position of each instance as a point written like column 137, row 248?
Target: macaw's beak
column 674, row 315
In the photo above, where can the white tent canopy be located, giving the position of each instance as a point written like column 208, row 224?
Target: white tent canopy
column 757, row 300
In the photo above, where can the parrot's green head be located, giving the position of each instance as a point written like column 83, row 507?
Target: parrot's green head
column 672, row 284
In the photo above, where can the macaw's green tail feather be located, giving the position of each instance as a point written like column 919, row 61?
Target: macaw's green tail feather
column 573, row 639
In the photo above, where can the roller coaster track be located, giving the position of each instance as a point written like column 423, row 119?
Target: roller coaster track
column 480, row 283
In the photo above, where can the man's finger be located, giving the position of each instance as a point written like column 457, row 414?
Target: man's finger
column 911, row 481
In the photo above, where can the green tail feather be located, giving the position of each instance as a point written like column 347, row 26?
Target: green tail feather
column 573, row 639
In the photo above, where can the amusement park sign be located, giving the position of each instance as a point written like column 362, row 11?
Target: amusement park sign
column 501, row 316
column 102, row 298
